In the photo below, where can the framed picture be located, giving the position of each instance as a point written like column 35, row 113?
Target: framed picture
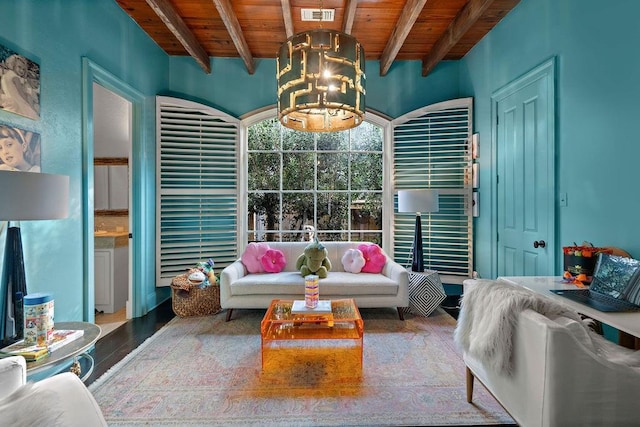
column 19, row 149
column 19, row 84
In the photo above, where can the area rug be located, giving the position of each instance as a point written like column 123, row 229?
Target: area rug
column 203, row 371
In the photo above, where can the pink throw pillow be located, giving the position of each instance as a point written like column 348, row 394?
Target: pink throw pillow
column 252, row 257
column 373, row 257
column 353, row 261
column 273, row 261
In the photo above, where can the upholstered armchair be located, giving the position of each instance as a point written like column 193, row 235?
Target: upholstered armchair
column 61, row 400
column 558, row 372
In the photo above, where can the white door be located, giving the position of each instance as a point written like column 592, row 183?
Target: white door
column 524, row 113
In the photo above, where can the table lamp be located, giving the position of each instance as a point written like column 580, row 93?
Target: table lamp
column 418, row 201
column 24, row 196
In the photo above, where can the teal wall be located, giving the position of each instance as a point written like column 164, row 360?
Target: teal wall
column 57, row 34
column 597, row 91
column 596, row 114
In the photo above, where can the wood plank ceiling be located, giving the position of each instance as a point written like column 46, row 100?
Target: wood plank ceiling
column 389, row 30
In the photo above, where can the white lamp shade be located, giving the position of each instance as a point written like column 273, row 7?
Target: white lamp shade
column 418, row 201
column 31, row 195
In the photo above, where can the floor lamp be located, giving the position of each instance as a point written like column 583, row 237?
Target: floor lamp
column 24, row 196
column 418, row 201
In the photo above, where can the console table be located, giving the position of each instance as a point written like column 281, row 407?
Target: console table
column 627, row 323
column 71, row 352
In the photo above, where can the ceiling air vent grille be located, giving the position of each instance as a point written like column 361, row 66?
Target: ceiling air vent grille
column 324, row 15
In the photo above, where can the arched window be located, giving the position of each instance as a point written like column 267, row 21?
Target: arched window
column 223, row 182
column 301, row 184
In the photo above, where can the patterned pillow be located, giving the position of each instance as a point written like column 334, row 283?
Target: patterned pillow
column 273, row 261
column 252, row 257
column 373, row 257
column 353, row 261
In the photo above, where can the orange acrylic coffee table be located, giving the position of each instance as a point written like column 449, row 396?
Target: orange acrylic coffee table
column 286, row 336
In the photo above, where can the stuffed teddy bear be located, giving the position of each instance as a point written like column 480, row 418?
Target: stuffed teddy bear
column 314, row 260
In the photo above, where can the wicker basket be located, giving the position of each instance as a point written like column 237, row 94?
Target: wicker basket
column 188, row 300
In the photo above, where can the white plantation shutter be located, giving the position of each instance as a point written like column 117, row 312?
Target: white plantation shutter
column 197, row 187
column 432, row 150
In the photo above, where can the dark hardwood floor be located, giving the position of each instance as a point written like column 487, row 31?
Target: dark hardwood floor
column 115, row 346
column 451, row 305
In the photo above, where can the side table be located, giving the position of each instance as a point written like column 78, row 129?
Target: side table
column 425, row 292
column 71, row 352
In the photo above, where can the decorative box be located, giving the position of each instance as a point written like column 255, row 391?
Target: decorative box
column 581, row 259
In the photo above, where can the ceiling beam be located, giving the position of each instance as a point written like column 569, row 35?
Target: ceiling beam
column 176, row 25
column 288, row 18
column 410, row 13
column 464, row 20
column 233, row 27
column 349, row 16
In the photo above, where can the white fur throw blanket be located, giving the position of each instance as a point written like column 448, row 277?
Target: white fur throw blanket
column 488, row 316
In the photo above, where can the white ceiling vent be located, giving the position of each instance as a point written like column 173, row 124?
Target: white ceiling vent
column 324, row 15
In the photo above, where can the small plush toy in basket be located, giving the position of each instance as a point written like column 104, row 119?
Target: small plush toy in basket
column 196, row 293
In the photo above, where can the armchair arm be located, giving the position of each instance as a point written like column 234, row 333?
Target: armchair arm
column 13, row 374
column 230, row 274
column 400, row 275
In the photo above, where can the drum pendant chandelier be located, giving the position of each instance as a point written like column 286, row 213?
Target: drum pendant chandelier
column 321, row 81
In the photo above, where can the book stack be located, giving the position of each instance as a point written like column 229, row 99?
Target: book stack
column 320, row 315
column 300, row 307
column 63, row 337
column 33, row 352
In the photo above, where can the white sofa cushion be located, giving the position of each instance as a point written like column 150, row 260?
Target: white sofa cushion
column 335, row 284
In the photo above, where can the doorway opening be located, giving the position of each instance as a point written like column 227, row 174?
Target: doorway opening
column 135, row 305
column 112, row 142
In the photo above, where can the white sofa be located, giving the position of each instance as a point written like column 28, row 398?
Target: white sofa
column 562, row 375
column 61, row 400
column 238, row 289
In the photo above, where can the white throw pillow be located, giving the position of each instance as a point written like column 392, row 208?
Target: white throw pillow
column 353, row 261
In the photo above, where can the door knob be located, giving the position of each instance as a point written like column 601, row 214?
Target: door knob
column 539, row 243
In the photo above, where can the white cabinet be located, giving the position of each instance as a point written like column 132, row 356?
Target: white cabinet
column 101, row 188
column 118, row 187
column 111, row 187
column 103, row 265
column 112, row 278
